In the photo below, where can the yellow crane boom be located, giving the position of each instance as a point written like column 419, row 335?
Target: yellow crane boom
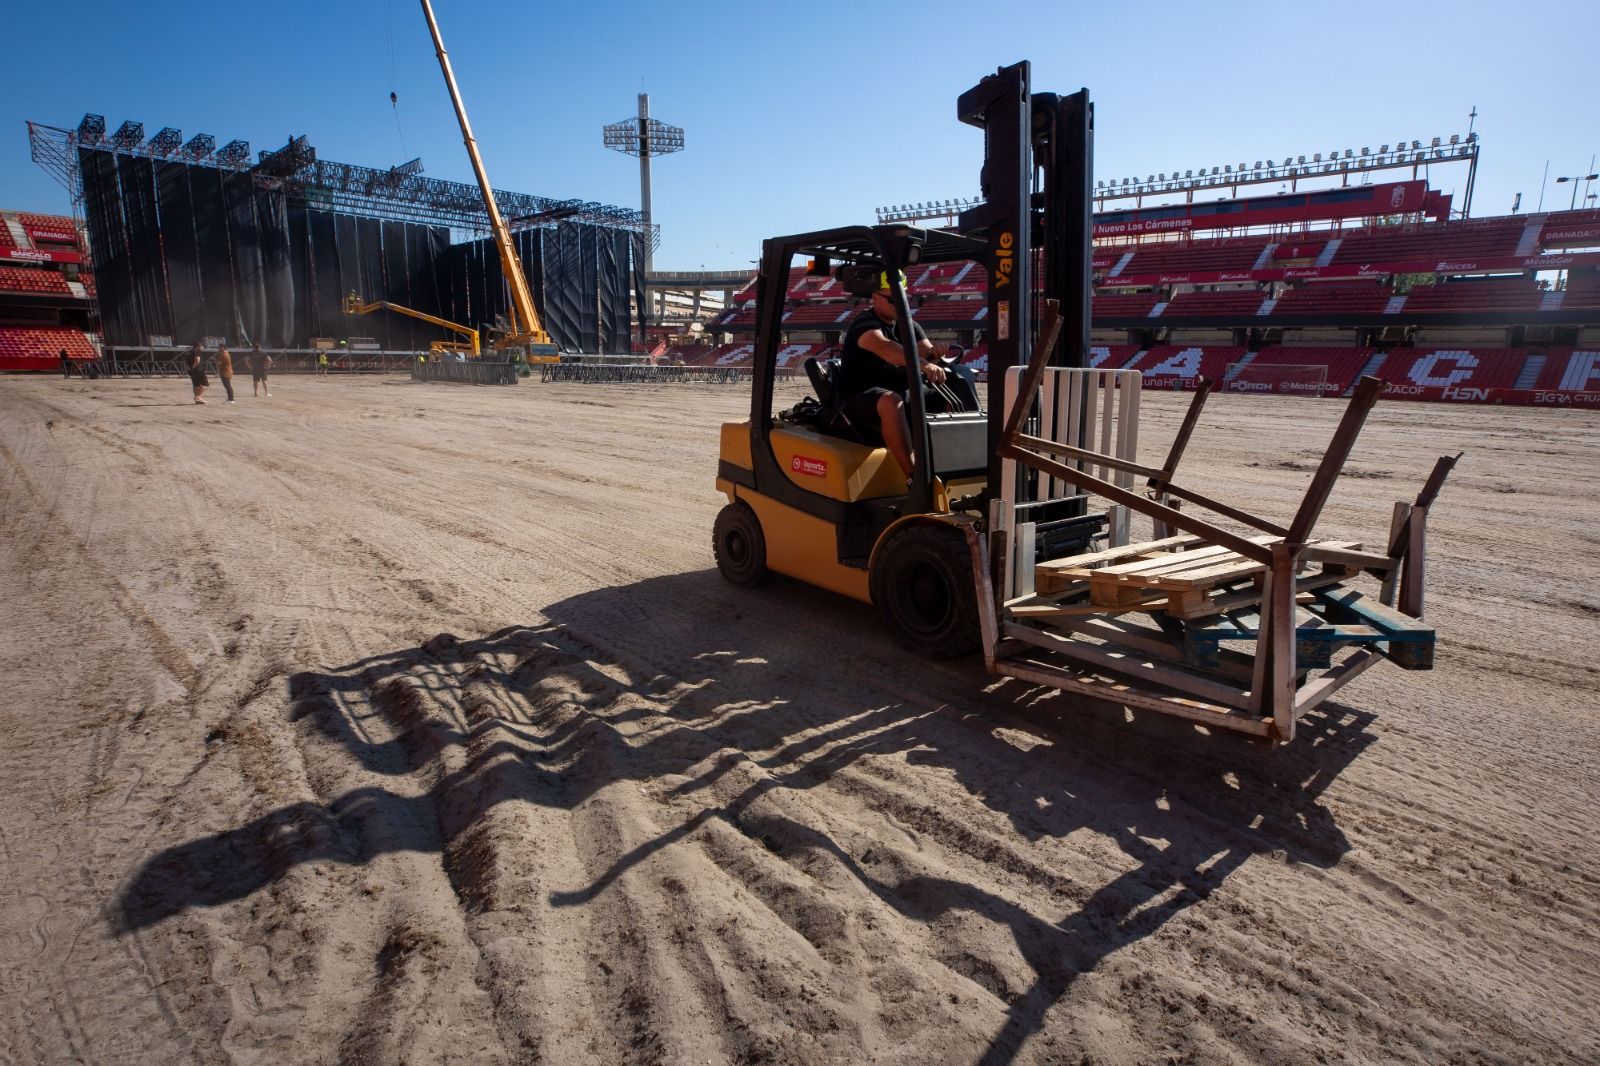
column 527, row 331
column 353, row 305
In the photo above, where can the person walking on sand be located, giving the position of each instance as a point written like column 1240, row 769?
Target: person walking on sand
column 225, row 369
column 197, row 374
column 260, row 363
column 322, row 364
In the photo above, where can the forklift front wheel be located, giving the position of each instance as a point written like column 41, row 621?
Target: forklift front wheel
column 922, row 582
column 739, row 546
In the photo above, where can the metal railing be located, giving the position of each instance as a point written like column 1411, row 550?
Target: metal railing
column 646, row 374
column 471, row 372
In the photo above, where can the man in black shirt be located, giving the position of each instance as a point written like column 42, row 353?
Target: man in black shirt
column 872, row 372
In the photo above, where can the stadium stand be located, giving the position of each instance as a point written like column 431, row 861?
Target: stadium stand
column 33, row 282
column 1124, row 304
column 1181, row 366
column 952, row 312
column 1494, row 294
column 1457, row 240
column 1334, row 298
column 1342, row 364
column 1582, row 292
column 1227, row 254
column 1458, row 374
column 50, row 227
column 39, row 347
column 830, row 315
column 1111, row 356
column 1566, row 228
column 1232, row 303
column 1570, row 370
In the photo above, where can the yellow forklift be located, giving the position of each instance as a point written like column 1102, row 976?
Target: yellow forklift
column 813, row 498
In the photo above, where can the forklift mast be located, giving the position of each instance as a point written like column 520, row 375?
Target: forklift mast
column 1028, row 135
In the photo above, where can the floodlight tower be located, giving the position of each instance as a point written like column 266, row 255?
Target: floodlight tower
column 644, row 137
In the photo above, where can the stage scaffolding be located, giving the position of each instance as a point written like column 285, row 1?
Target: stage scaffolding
column 195, row 242
column 401, row 193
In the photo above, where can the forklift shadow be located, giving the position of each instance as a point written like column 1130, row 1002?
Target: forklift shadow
column 686, row 679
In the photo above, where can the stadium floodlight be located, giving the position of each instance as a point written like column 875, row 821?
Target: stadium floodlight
column 1455, row 138
column 1435, row 143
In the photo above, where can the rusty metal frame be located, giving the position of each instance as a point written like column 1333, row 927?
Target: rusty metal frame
column 1133, row 670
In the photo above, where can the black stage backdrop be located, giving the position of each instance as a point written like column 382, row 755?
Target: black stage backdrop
column 191, row 251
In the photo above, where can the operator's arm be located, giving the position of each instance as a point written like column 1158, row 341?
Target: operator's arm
column 881, row 346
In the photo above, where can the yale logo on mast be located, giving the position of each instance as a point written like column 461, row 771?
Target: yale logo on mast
column 1005, row 261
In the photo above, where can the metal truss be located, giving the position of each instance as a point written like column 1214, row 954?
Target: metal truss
column 399, row 193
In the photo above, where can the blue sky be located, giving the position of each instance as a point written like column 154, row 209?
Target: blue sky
column 799, row 121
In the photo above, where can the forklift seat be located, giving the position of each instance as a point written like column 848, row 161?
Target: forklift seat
column 821, row 378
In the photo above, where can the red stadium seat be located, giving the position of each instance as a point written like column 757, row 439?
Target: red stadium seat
column 1181, row 366
column 1493, row 294
column 39, row 347
column 33, row 281
column 1458, row 374
column 1570, row 370
column 1335, row 298
column 1230, row 303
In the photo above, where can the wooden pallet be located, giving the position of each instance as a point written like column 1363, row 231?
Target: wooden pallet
column 1180, row 576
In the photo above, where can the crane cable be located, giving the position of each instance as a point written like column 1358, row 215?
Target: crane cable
column 394, row 97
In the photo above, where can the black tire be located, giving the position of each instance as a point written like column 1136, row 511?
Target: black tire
column 739, row 546
column 922, row 582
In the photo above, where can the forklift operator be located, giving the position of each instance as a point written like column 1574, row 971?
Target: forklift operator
column 872, row 373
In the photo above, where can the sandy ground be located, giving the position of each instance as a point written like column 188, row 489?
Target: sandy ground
column 383, row 722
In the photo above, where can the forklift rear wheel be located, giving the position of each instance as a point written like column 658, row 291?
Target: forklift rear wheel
column 739, row 546
column 922, row 581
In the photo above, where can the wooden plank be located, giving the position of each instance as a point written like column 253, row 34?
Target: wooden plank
column 988, row 624
column 1410, row 642
column 1168, row 561
column 1147, row 670
column 1278, row 617
column 1360, row 560
column 1397, row 533
column 1127, row 695
column 1233, row 601
column 1183, row 570
column 1217, row 572
column 1314, row 692
column 1080, row 610
column 1411, row 569
column 1120, row 553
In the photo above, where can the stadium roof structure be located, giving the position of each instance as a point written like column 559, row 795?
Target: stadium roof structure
column 1339, row 168
column 399, row 193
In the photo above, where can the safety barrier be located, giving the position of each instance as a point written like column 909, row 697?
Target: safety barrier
column 643, row 373
column 471, row 372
